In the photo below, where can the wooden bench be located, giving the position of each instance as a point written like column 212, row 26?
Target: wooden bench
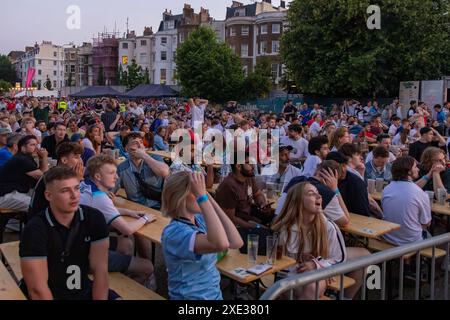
column 378, row 245
column 127, row 288
column 9, row 289
column 5, row 215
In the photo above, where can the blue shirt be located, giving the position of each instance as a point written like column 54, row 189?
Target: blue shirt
column 372, row 173
column 5, row 155
column 191, row 276
column 118, row 145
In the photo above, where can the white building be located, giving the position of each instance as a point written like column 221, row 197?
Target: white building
column 48, row 61
column 138, row 48
column 165, row 46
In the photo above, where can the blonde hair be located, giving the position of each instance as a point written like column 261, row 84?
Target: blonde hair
column 337, row 135
column 176, row 189
column 426, row 160
column 25, row 120
column 292, row 213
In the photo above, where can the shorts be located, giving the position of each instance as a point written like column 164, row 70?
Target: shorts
column 118, row 262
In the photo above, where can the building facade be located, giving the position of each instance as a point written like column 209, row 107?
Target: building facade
column 85, row 73
column 254, row 31
column 48, row 61
column 139, row 49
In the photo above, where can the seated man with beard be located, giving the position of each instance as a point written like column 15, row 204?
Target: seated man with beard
column 241, row 199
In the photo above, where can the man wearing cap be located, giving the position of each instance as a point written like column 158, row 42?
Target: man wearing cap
column 4, row 132
column 281, row 172
column 429, row 137
column 8, row 151
column 87, row 153
column 20, row 174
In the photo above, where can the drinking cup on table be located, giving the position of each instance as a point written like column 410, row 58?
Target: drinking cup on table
column 252, row 247
column 371, row 185
column 271, row 249
column 430, row 196
column 441, row 196
column 379, row 184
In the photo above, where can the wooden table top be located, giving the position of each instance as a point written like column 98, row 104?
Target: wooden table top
column 8, row 287
column 435, row 207
column 369, row 227
column 153, row 230
column 234, row 259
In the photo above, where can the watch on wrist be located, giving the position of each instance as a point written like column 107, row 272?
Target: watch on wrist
column 146, row 219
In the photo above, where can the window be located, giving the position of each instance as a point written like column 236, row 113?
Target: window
column 233, row 48
column 232, row 31
column 142, row 58
column 39, row 72
column 181, row 37
column 163, row 55
column 72, row 56
column 239, row 13
column 63, row 74
column 54, row 73
column 125, row 45
column 54, row 84
column 55, row 54
column 274, row 71
column 276, row 28
column 263, row 47
column 244, row 30
column 163, row 76
column 275, row 46
column 244, row 50
column 39, row 61
column 72, row 69
column 134, row 43
column 264, row 29
column 143, row 43
column 55, row 63
column 163, row 40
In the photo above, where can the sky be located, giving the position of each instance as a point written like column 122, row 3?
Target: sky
column 25, row 22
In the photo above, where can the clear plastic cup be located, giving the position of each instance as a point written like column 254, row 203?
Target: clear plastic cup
column 271, row 249
column 371, row 185
column 252, row 247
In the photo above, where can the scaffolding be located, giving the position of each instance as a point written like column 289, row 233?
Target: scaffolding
column 106, row 54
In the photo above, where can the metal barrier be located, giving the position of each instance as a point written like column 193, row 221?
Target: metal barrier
column 299, row 280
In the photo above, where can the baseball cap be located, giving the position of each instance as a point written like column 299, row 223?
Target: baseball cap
column 5, row 131
column 76, row 137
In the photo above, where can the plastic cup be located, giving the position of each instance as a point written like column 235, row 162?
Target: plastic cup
column 379, row 184
column 431, row 196
column 371, row 185
column 271, row 249
column 252, row 247
column 441, row 196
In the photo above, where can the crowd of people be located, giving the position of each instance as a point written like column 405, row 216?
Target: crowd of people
column 61, row 165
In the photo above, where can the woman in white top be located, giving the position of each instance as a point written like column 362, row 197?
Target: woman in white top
column 28, row 128
column 308, row 236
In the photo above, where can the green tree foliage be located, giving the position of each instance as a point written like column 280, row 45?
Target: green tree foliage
column 330, row 50
column 134, row 76
column 259, row 82
column 4, row 86
column 7, row 71
column 101, row 76
column 207, row 68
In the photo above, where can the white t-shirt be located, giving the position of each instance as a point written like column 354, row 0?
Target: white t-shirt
column 300, row 147
column 310, row 165
column 410, row 213
column 198, row 114
column 392, row 130
column 315, row 128
column 270, row 174
column 370, row 157
column 137, row 111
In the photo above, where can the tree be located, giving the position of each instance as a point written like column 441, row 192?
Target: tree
column 330, row 50
column 207, row 68
column 101, row 76
column 7, row 70
column 48, row 84
column 5, row 86
column 135, row 76
column 259, row 82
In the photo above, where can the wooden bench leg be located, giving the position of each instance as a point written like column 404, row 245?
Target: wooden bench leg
column 3, row 222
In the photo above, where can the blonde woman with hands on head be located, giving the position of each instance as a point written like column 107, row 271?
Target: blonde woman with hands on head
column 190, row 251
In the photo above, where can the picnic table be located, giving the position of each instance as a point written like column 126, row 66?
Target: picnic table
column 236, row 260
column 8, row 287
column 369, row 228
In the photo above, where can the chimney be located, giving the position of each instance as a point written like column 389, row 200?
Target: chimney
column 148, row 31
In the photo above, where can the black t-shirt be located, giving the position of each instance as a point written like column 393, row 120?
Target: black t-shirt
column 46, row 238
column 417, row 148
column 326, row 193
column 38, row 201
column 49, row 144
column 108, row 118
column 13, row 175
column 354, row 192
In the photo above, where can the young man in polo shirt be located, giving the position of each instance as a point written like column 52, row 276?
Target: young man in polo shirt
column 102, row 173
column 63, row 244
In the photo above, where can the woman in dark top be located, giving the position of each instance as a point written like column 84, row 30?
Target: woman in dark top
column 433, row 170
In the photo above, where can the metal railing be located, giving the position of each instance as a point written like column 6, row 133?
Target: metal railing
column 299, row 280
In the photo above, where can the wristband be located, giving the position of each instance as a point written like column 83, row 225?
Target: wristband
column 337, row 192
column 426, row 178
column 202, row 199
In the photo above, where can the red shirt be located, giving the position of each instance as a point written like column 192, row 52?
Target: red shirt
column 11, row 106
